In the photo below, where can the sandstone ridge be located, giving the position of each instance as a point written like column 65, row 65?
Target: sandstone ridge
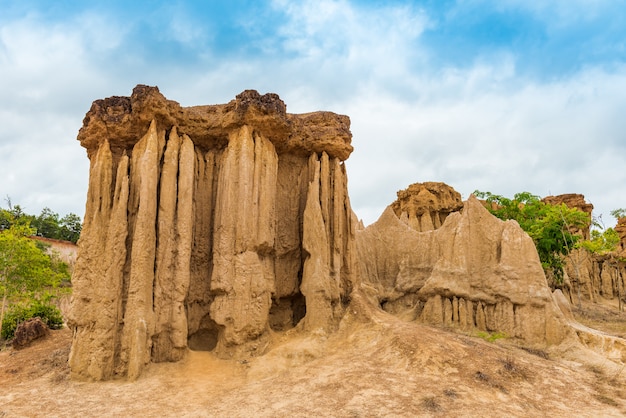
column 474, row 272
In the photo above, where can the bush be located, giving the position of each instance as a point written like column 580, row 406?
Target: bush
column 49, row 314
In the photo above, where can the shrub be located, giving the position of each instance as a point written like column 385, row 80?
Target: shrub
column 49, row 314
column 491, row 337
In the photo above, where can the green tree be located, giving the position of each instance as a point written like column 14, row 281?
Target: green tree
column 13, row 214
column 552, row 227
column 47, row 224
column 6, row 219
column 70, row 227
column 24, row 268
column 601, row 242
column 618, row 213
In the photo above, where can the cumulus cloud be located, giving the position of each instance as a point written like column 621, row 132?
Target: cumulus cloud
column 553, row 138
column 484, row 122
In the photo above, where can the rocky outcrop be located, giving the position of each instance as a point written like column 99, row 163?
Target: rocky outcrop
column 28, row 331
column 589, row 275
column 425, row 206
column 474, row 272
column 206, row 227
column 65, row 250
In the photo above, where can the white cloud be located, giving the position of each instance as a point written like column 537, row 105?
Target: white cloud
column 553, row 138
column 480, row 127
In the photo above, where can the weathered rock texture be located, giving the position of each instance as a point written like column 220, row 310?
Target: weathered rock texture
column 474, row 272
column 205, row 228
column 28, row 331
column 590, row 276
column 208, row 227
column 425, row 206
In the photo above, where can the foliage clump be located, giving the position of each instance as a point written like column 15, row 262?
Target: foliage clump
column 27, row 274
column 491, row 337
column 48, row 224
column 618, row 213
column 601, row 242
column 553, row 228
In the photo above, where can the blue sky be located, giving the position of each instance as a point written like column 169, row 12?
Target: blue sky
column 504, row 96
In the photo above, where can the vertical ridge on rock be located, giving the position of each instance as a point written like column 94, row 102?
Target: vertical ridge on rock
column 139, row 321
column 316, row 281
column 99, row 323
column 242, row 275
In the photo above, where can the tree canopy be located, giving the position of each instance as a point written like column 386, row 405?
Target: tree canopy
column 48, row 224
column 601, row 242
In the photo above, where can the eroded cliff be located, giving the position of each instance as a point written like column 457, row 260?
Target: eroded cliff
column 474, row 272
column 205, row 228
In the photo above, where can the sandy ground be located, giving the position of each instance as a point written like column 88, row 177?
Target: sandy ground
column 379, row 367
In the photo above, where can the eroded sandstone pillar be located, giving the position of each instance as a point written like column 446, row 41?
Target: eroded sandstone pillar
column 203, row 227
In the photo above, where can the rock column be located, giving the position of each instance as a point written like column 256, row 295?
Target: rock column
column 205, row 228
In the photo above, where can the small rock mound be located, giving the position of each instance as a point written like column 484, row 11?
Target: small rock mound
column 29, row 331
column 425, row 206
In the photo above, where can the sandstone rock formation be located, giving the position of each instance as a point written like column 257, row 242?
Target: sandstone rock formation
column 205, row 228
column 474, row 272
column 65, row 250
column 214, row 227
column 589, row 275
column 425, row 206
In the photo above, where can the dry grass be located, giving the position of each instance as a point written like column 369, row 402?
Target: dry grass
column 536, row 352
column 431, row 404
column 450, row 393
column 511, row 368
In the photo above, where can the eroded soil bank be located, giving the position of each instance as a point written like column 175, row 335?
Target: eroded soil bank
column 380, row 368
